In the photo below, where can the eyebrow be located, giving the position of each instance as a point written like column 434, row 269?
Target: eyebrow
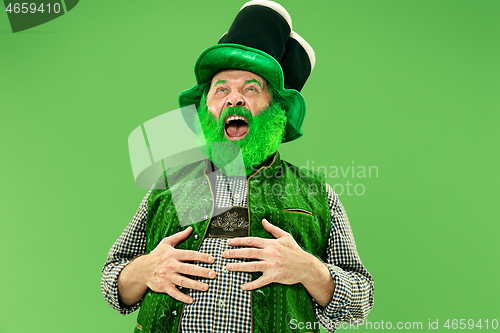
column 220, row 81
column 253, row 81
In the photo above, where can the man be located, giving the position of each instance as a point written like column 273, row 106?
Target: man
column 250, row 258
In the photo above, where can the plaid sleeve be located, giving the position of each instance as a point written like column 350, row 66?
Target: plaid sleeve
column 130, row 244
column 353, row 296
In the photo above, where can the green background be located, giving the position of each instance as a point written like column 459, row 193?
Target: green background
column 411, row 87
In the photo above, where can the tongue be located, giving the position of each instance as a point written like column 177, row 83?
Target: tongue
column 236, row 129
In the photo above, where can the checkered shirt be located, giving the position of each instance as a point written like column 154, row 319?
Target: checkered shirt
column 225, row 307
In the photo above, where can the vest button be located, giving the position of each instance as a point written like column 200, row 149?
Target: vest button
column 196, row 237
column 205, row 182
column 206, row 217
column 174, row 313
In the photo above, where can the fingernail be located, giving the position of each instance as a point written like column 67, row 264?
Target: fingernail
column 244, row 287
column 226, row 254
column 204, row 287
column 229, row 266
column 211, row 259
column 265, row 220
column 231, row 242
column 211, row 274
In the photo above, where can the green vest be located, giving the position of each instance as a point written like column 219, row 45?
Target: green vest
column 291, row 198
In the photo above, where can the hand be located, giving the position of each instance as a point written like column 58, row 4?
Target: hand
column 282, row 260
column 168, row 263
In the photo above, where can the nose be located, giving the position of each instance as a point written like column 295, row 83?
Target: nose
column 235, row 99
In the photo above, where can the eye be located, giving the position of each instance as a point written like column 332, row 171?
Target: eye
column 253, row 89
column 220, row 90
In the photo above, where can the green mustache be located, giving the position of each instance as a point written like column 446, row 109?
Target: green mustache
column 234, row 111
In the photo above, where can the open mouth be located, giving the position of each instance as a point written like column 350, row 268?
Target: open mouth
column 236, row 127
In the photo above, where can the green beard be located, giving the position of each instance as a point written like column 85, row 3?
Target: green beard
column 265, row 134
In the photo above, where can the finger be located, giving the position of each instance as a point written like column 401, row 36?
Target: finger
column 183, row 281
column 249, row 252
column 254, row 266
column 175, row 293
column 249, row 242
column 179, row 237
column 195, row 270
column 260, row 282
column 274, row 230
column 188, row 255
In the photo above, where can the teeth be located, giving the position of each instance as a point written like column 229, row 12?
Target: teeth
column 228, row 119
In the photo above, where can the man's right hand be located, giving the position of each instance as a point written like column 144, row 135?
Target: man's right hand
column 161, row 270
column 168, row 263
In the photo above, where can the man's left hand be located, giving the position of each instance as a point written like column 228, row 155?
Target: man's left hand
column 280, row 260
column 283, row 261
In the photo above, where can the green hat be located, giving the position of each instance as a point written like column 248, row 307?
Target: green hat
column 260, row 40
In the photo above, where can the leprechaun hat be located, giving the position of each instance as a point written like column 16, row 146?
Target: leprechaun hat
column 260, row 40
